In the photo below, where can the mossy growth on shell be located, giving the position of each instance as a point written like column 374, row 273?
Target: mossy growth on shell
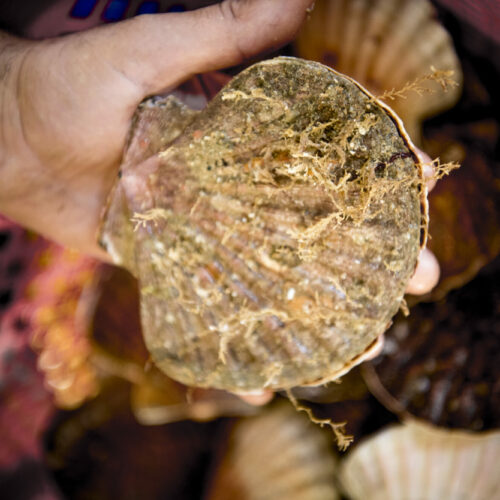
column 273, row 233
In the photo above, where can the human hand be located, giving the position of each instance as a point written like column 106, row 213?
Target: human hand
column 67, row 102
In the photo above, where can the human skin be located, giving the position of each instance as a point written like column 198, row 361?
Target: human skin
column 66, row 105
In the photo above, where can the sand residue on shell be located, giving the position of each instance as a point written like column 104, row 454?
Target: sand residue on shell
column 275, row 236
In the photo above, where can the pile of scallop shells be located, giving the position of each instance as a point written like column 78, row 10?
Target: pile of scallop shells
column 273, row 234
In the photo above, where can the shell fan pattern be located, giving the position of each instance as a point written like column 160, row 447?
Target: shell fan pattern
column 416, row 461
column 273, row 233
column 296, row 464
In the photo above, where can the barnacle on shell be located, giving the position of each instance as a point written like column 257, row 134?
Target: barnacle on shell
column 273, row 233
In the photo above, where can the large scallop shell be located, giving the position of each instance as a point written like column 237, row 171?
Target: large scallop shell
column 275, row 232
column 385, row 44
column 415, row 462
column 278, row 455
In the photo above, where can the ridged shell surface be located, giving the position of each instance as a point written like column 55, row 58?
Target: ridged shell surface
column 416, row 462
column 385, row 44
column 278, row 455
column 275, row 231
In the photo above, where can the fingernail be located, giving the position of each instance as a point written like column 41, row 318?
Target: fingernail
column 426, row 274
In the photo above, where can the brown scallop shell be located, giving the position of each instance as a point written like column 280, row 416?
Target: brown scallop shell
column 278, row 455
column 275, row 231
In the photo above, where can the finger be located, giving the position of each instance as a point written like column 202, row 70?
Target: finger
column 259, row 398
column 426, row 274
column 377, row 348
column 160, row 51
column 428, row 170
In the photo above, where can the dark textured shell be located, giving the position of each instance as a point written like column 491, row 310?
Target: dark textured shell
column 273, row 233
column 441, row 364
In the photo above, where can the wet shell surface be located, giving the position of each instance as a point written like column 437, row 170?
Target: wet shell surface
column 273, row 233
column 385, row 44
column 416, row 461
column 278, row 455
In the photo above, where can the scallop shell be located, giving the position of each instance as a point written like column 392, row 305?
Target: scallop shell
column 278, row 455
column 275, row 231
column 415, row 462
column 385, row 44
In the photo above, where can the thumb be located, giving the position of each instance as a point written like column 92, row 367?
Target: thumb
column 159, row 51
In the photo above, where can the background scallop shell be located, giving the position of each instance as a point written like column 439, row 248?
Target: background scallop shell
column 275, row 235
column 278, row 455
column 384, row 44
column 415, row 462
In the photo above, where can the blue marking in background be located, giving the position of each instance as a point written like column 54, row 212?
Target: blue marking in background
column 83, row 8
column 148, row 8
column 115, row 10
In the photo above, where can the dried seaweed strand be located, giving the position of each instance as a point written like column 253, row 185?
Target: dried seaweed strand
column 443, row 77
column 343, row 440
column 152, row 215
column 403, row 307
column 443, row 169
